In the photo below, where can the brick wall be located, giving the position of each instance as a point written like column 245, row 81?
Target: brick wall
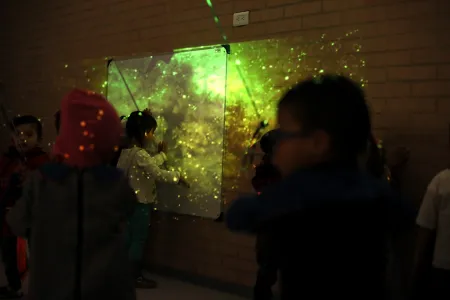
column 49, row 46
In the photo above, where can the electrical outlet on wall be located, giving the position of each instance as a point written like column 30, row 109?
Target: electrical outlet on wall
column 241, row 18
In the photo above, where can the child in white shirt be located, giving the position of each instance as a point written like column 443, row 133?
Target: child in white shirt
column 143, row 172
column 433, row 239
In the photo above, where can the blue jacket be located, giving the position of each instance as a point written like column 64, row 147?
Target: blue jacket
column 330, row 226
column 302, row 189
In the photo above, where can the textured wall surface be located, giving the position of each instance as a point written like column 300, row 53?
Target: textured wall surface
column 47, row 47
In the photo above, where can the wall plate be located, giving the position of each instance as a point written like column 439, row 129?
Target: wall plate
column 241, row 18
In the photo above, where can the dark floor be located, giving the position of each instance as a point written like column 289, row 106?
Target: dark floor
column 170, row 289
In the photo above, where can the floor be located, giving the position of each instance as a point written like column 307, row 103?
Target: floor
column 170, row 289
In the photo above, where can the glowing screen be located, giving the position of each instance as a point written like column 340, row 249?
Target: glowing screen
column 185, row 91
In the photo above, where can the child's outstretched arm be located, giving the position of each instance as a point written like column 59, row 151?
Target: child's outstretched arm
column 160, row 159
column 19, row 217
column 247, row 214
column 150, row 165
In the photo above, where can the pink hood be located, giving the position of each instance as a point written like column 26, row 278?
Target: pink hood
column 90, row 130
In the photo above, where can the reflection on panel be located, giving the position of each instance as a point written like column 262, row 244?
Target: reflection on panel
column 186, row 93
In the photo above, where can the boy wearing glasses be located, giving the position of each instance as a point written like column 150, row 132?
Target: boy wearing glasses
column 329, row 220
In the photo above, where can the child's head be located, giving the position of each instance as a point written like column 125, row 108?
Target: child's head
column 323, row 119
column 26, row 132
column 90, row 130
column 140, row 128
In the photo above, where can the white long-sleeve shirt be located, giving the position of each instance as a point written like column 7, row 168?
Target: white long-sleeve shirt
column 144, row 171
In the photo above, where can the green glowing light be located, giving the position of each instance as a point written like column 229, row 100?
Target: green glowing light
column 186, row 92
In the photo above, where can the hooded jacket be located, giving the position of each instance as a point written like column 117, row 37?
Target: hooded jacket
column 76, row 210
column 330, row 225
column 12, row 181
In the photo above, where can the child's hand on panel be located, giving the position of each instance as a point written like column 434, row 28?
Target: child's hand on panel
column 162, row 147
column 184, row 182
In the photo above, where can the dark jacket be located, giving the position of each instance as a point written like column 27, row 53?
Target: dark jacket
column 266, row 174
column 77, row 242
column 12, row 180
column 331, row 227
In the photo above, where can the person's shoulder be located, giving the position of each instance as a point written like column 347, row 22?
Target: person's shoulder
column 443, row 175
column 39, row 157
column 140, row 152
column 441, row 182
column 142, row 157
column 134, row 152
column 54, row 170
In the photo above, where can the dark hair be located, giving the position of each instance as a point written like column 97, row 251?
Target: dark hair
column 376, row 160
column 28, row 119
column 336, row 105
column 268, row 141
column 57, row 120
column 138, row 123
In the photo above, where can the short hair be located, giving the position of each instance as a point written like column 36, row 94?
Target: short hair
column 57, row 121
column 28, row 119
column 336, row 105
column 138, row 123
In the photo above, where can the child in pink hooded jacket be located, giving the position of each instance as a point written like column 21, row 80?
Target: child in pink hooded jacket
column 74, row 212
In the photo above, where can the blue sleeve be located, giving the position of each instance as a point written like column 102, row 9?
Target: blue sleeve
column 243, row 214
column 248, row 213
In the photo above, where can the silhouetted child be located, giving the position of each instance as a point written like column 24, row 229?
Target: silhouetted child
column 329, row 220
column 266, row 174
column 76, row 210
column 431, row 274
column 143, row 171
column 24, row 156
